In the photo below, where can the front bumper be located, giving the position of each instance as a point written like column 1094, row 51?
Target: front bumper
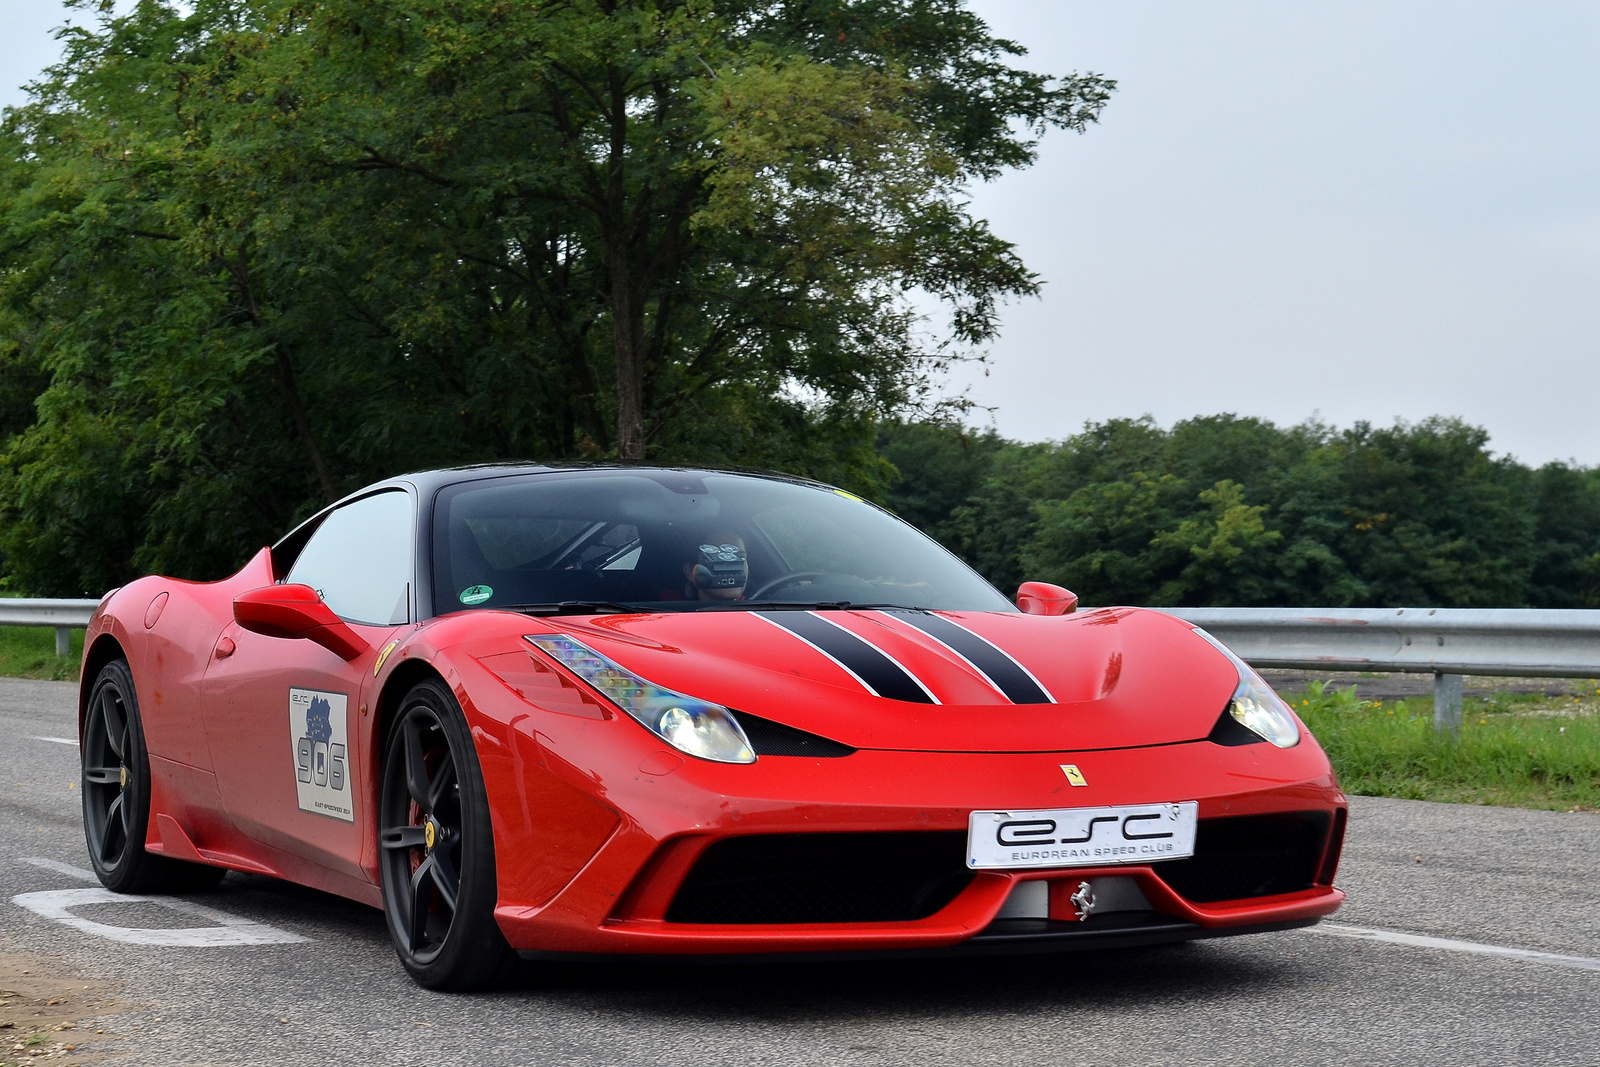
column 664, row 811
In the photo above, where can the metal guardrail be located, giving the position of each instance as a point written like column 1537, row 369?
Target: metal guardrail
column 1445, row 642
column 1525, row 642
column 64, row 615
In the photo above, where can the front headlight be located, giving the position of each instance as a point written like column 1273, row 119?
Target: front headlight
column 690, row 725
column 1254, row 705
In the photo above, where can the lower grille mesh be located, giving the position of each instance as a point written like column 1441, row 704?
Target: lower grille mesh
column 1249, row 856
column 824, row 878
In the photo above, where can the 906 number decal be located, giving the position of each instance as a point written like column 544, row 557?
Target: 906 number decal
column 319, row 734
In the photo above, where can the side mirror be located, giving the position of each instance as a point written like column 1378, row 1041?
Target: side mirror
column 296, row 611
column 1042, row 598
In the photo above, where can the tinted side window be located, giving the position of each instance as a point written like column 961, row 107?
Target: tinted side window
column 360, row 560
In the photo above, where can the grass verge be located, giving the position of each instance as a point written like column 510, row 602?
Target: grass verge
column 1517, row 750
column 30, row 652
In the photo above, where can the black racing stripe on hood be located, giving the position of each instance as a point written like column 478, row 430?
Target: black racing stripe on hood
column 1003, row 672
column 871, row 666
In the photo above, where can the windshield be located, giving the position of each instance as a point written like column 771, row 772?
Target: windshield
column 683, row 541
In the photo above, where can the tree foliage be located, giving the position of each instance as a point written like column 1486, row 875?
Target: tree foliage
column 255, row 253
column 1236, row 511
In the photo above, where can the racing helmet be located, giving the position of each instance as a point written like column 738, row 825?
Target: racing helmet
column 722, row 566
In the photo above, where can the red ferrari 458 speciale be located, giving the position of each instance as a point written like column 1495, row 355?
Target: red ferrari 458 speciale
column 550, row 713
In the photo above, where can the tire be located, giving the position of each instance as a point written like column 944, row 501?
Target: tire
column 116, row 794
column 436, row 849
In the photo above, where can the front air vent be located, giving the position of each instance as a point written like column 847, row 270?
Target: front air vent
column 768, row 738
column 1231, row 732
column 824, row 878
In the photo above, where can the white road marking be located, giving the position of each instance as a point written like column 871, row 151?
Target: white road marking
column 59, row 740
column 57, row 905
column 61, row 868
column 1395, row 937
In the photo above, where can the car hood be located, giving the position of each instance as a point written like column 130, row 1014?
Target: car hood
column 945, row 681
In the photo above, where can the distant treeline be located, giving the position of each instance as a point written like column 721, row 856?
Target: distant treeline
column 1224, row 510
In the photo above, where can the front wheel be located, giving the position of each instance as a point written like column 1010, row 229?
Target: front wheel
column 116, row 794
column 437, row 849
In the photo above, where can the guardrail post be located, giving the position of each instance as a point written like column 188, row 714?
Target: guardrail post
column 63, row 641
column 1447, row 704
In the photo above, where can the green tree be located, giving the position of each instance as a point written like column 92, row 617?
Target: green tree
column 267, row 250
column 938, row 465
column 1226, row 555
column 1106, row 542
column 1566, row 565
column 1429, row 516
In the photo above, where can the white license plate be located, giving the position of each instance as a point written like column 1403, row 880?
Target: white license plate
column 1081, row 837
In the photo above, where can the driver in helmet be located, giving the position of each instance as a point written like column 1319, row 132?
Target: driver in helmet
column 719, row 570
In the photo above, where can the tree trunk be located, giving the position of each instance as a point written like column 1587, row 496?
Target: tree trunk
column 240, row 269
column 302, row 426
column 625, row 346
column 627, row 311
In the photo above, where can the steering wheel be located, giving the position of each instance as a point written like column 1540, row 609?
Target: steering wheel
column 782, row 580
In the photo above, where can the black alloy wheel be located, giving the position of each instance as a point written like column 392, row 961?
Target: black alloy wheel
column 116, row 794
column 437, row 849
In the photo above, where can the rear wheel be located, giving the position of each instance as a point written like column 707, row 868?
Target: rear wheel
column 437, row 849
column 116, row 794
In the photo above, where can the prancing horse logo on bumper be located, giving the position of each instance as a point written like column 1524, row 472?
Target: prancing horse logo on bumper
column 1074, row 775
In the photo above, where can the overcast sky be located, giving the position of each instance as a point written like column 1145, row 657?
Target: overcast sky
column 1366, row 210
column 1360, row 210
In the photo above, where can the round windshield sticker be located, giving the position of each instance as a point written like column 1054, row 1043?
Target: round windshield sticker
column 476, row 594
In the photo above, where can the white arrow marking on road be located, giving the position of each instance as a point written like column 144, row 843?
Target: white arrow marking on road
column 57, row 904
column 59, row 740
column 61, row 868
column 1394, row 937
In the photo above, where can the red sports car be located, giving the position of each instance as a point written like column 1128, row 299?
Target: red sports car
column 544, row 712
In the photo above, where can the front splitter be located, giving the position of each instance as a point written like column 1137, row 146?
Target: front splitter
column 1003, row 937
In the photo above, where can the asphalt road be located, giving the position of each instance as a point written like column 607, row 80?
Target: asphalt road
column 1521, row 880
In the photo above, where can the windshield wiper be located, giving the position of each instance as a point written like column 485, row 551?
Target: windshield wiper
column 574, row 607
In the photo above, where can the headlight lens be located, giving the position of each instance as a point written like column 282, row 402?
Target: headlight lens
column 690, row 725
column 1254, row 705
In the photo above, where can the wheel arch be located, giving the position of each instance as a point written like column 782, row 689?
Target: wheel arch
column 102, row 650
column 406, row 674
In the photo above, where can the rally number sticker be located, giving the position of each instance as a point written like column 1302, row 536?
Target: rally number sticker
column 319, row 735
